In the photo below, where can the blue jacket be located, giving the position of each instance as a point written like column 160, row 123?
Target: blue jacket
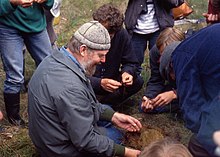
column 196, row 63
column 156, row 83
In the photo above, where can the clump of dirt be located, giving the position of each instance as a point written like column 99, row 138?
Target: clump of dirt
column 155, row 127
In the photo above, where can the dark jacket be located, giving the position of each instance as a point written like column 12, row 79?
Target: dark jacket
column 63, row 111
column 196, row 63
column 119, row 59
column 162, row 8
column 156, row 83
column 216, row 6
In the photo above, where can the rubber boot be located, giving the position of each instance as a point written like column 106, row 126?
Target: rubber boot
column 12, row 106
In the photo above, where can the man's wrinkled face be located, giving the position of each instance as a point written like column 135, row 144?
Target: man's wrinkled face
column 93, row 58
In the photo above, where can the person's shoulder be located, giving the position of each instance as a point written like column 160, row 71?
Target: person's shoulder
column 123, row 34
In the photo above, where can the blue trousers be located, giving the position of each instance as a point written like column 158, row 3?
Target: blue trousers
column 12, row 42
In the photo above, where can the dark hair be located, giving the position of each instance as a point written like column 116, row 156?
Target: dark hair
column 110, row 17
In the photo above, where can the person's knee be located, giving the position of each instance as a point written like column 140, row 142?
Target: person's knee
column 196, row 149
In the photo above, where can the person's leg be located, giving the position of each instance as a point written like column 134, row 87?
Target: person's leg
column 38, row 45
column 119, row 96
column 196, row 148
column 152, row 39
column 11, row 46
column 139, row 44
column 111, row 131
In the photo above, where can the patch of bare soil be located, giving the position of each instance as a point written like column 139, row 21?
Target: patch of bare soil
column 155, row 127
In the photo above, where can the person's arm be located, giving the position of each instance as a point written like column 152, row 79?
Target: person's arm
column 47, row 4
column 155, row 84
column 8, row 6
column 129, row 60
column 172, row 3
column 216, row 5
column 77, row 114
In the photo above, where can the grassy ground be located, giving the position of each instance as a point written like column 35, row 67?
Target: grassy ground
column 15, row 142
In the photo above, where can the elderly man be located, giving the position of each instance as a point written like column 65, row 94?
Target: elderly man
column 63, row 110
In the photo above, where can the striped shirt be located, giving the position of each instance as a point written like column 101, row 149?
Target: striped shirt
column 147, row 21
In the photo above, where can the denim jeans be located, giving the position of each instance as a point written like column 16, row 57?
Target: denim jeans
column 140, row 42
column 111, row 131
column 11, row 50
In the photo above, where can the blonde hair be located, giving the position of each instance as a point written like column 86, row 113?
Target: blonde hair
column 166, row 147
column 167, row 36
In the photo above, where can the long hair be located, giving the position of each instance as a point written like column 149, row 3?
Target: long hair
column 168, row 36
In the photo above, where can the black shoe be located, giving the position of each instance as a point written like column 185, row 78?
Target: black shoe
column 17, row 122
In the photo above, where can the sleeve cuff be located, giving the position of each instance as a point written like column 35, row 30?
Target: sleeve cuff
column 119, row 150
column 107, row 114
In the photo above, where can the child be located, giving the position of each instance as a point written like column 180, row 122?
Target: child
column 166, row 147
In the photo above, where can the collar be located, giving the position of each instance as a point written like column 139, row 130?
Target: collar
column 66, row 53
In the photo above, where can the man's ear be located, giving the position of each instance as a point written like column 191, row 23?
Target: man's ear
column 82, row 49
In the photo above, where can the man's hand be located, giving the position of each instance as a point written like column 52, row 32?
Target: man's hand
column 163, row 98
column 131, row 152
column 110, row 85
column 126, row 122
column 146, row 104
column 22, row 3
column 127, row 79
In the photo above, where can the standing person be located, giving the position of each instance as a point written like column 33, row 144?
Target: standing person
column 116, row 79
column 50, row 15
column 21, row 22
column 62, row 106
column 160, row 94
column 196, row 63
column 213, row 11
column 145, row 19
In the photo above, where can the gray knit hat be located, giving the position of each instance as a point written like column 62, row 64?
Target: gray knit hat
column 94, row 35
column 165, row 59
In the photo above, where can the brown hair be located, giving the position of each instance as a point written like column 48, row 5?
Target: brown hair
column 166, row 147
column 168, row 36
column 109, row 15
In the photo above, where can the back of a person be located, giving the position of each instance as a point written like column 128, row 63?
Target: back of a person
column 196, row 65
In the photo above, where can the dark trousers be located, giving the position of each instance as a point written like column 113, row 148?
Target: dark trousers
column 122, row 94
column 196, row 149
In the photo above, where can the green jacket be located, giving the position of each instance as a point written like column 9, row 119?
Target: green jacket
column 28, row 20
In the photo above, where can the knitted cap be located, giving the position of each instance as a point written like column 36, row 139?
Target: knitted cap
column 94, row 35
column 165, row 59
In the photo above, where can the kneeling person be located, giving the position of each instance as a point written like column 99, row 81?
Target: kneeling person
column 62, row 107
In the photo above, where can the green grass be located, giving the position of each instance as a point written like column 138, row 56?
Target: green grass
column 15, row 142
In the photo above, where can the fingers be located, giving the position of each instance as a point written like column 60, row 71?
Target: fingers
column 110, row 85
column 146, row 104
column 127, row 79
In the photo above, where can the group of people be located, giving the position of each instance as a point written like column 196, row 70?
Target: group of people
column 74, row 89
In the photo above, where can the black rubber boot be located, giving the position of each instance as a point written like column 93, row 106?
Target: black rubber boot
column 12, row 107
